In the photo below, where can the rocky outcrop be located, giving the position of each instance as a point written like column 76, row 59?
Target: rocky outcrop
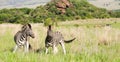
column 62, row 5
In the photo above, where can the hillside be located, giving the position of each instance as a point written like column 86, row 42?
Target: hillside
column 108, row 4
column 80, row 9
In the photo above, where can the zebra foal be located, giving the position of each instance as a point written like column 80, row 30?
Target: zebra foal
column 55, row 38
column 21, row 38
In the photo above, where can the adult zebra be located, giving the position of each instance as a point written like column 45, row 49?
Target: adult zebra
column 21, row 37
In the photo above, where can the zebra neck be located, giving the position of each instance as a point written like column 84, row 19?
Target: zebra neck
column 24, row 35
column 50, row 33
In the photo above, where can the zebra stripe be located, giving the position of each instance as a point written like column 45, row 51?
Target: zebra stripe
column 21, row 40
column 20, row 37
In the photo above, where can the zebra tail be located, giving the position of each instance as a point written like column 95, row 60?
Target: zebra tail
column 69, row 41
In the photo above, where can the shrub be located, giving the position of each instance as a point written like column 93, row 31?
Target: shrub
column 80, row 9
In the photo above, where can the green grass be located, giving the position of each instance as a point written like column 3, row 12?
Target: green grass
column 84, row 49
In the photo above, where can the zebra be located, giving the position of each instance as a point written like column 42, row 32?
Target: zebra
column 53, row 39
column 21, row 38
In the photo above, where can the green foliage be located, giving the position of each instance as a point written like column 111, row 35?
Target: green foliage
column 80, row 9
column 115, row 13
column 5, row 17
column 15, row 15
column 48, row 21
column 39, row 14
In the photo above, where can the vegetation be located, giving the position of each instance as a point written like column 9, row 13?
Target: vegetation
column 115, row 13
column 15, row 15
column 84, row 49
column 80, row 9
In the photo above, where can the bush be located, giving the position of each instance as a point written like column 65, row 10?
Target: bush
column 80, row 9
column 48, row 21
column 115, row 13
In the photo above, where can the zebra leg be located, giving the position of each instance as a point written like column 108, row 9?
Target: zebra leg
column 15, row 48
column 46, row 51
column 26, row 46
column 63, row 46
column 30, row 47
column 55, row 50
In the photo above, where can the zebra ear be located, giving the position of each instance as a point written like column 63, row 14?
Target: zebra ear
column 29, row 25
column 24, row 27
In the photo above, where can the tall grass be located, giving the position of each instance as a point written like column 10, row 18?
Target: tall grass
column 85, row 48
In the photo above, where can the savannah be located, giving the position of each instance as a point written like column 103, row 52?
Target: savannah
column 97, row 32
column 95, row 42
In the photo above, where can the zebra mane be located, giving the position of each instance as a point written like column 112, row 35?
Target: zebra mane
column 26, row 26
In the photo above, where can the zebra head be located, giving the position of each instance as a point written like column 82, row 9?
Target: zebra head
column 27, row 29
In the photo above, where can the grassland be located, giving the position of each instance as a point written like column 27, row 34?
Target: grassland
column 88, row 33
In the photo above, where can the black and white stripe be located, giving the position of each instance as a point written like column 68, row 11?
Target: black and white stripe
column 21, row 38
column 55, row 38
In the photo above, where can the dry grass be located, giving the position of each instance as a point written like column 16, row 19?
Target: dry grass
column 86, row 44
